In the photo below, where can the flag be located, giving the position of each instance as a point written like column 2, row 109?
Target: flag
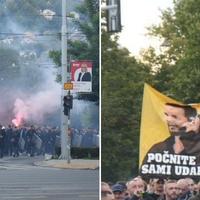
column 163, row 145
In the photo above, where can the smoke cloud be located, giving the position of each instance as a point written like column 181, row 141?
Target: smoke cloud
column 28, row 91
column 35, row 108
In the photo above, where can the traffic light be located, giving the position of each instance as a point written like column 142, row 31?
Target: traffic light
column 66, row 110
column 67, row 103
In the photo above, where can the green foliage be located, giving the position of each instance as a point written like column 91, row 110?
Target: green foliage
column 122, row 87
column 55, row 55
column 87, row 48
column 76, row 47
column 179, row 61
column 81, row 153
column 85, row 153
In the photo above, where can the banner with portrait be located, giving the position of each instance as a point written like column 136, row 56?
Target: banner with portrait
column 81, row 75
column 169, row 137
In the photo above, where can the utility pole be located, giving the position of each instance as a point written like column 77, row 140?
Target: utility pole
column 65, row 144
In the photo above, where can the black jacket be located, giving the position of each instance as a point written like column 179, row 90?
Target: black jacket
column 86, row 77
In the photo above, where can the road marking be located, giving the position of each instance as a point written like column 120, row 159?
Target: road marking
column 22, row 166
column 21, row 197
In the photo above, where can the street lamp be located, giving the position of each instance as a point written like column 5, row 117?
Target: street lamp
column 113, row 15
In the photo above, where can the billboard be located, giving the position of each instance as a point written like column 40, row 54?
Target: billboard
column 169, row 137
column 81, row 76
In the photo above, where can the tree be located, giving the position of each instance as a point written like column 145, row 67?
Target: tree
column 179, row 31
column 122, row 87
column 86, row 47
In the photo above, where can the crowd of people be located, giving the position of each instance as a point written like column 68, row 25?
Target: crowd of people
column 154, row 189
column 41, row 140
column 28, row 140
column 85, row 138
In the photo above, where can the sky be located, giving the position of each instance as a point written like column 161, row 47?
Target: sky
column 136, row 15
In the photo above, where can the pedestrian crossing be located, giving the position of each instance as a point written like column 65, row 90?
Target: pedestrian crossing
column 22, row 162
column 38, row 190
column 22, row 167
column 21, row 179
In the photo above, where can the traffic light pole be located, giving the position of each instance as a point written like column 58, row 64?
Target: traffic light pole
column 65, row 144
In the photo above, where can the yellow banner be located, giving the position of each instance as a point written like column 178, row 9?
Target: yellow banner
column 169, row 130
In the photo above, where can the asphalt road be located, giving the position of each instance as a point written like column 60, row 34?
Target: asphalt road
column 20, row 179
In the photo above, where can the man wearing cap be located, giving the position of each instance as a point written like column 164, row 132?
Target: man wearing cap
column 119, row 191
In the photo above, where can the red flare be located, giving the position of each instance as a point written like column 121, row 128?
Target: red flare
column 17, row 121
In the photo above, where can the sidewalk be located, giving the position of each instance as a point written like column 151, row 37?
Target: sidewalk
column 74, row 164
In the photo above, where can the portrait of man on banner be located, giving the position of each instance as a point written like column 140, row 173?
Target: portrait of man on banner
column 81, row 75
column 176, row 154
column 84, row 74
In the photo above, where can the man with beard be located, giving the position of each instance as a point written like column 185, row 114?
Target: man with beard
column 183, row 124
column 170, row 190
column 181, row 127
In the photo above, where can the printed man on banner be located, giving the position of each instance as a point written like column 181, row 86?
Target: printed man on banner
column 183, row 124
column 84, row 75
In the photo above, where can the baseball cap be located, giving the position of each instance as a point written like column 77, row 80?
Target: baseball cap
column 118, row 188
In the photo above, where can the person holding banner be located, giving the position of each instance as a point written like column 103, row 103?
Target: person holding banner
column 183, row 124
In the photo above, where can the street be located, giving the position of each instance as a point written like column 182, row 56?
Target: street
column 20, row 179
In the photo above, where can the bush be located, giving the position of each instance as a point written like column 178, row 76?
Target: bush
column 86, row 153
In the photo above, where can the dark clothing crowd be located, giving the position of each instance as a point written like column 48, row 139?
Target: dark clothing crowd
column 85, row 138
column 153, row 189
column 32, row 140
